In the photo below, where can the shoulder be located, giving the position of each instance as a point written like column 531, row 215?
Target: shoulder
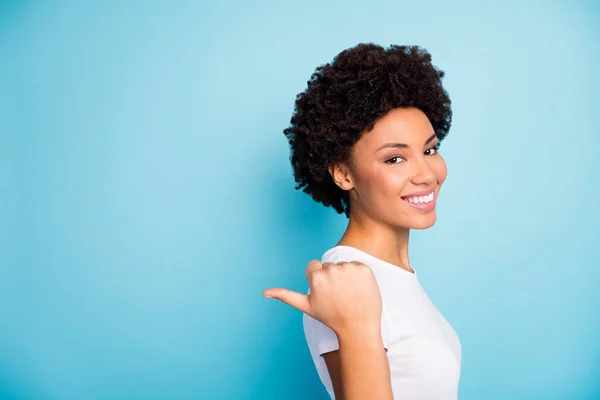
column 338, row 254
column 331, row 255
column 317, row 331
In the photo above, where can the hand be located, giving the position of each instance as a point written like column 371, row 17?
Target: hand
column 344, row 296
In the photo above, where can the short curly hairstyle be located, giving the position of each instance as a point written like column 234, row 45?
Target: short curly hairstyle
column 346, row 97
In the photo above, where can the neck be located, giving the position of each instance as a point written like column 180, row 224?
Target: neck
column 387, row 243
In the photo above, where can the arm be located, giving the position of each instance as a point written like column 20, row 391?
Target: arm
column 359, row 370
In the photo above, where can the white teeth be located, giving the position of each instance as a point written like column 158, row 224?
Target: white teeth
column 420, row 199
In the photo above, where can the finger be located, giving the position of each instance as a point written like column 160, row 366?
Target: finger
column 313, row 266
column 294, row 299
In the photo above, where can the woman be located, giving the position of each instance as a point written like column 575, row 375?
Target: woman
column 364, row 140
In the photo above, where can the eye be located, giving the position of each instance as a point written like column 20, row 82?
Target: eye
column 434, row 148
column 395, row 160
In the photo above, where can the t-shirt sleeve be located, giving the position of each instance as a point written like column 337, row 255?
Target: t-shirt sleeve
column 321, row 339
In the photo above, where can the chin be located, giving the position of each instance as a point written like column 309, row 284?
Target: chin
column 426, row 222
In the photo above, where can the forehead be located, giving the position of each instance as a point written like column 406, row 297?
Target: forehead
column 401, row 125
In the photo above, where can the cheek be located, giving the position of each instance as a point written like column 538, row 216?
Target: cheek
column 441, row 172
column 392, row 183
column 381, row 185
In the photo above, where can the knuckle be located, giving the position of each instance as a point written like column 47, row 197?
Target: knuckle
column 334, row 270
column 316, row 278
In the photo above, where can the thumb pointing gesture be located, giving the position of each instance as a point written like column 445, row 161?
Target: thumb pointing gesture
column 341, row 295
column 295, row 299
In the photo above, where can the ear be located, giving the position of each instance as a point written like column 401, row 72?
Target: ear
column 341, row 176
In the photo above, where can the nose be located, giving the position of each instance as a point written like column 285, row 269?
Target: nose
column 423, row 174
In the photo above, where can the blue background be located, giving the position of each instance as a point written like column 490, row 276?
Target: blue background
column 146, row 197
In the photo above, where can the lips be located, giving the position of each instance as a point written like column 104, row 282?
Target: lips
column 415, row 203
column 423, row 206
column 421, row 193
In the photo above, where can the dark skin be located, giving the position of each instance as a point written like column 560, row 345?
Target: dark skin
column 396, row 158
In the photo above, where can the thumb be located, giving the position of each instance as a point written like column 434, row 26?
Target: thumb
column 294, row 299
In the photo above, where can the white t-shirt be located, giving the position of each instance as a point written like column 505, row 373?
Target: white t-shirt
column 423, row 350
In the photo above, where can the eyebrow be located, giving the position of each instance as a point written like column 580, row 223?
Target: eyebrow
column 402, row 145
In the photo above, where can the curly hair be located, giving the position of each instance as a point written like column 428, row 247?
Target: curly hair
column 346, row 97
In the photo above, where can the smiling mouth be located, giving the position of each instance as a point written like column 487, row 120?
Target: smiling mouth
column 420, row 199
column 422, row 203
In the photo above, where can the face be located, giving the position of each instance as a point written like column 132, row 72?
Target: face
column 397, row 172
